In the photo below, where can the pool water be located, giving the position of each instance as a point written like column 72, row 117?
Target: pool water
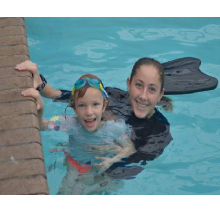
column 65, row 48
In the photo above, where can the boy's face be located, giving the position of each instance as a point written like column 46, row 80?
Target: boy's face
column 90, row 108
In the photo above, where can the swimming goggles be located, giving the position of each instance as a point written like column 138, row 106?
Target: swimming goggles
column 91, row 82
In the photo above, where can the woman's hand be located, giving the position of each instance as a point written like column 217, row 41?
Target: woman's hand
column 31, row 92
column 107, row 162
column 27, row 66
column 32, row 67
column 47, row 92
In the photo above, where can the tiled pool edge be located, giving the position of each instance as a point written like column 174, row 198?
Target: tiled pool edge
column 22, row 168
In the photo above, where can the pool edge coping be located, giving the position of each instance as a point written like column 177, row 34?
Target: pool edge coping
column 22, row 166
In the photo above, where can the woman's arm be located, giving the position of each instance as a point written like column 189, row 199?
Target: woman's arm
column 127, row 150
column 47, row 91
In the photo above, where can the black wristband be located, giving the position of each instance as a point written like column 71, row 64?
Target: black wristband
column 44, row 82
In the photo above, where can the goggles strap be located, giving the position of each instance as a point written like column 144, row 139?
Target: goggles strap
column 66, row 109
column 73, row 90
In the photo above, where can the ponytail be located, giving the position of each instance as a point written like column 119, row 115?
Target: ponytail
column 166, row 103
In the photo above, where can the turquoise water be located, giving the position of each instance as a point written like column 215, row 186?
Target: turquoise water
column 65, row 48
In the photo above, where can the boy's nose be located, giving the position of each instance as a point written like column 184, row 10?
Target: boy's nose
column 88, row 111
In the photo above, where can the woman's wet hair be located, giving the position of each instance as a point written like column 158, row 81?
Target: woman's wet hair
column 81, row 92
column 167, row 102
column 149, row 62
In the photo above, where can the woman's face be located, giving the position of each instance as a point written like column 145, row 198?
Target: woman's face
column 145, row 91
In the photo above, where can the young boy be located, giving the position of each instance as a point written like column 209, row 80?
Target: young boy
column 89, row 134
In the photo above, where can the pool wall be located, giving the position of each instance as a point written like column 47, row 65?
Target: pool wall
column 22, row 168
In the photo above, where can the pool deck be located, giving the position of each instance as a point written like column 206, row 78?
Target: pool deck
column 22, row 168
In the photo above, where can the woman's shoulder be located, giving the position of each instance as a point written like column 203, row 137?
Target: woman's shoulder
column 116, row 93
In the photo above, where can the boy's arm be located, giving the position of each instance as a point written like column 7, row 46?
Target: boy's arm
column 47, row 91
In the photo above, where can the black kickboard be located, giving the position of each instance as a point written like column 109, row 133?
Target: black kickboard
column 183, row 76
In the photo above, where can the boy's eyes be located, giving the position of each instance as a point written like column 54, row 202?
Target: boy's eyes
column 81, row 105
column 96, row 104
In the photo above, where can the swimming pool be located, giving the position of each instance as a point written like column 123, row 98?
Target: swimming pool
column 108, row 47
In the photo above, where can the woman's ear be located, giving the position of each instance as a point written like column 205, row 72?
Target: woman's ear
column 105, row 104
column 128, row 84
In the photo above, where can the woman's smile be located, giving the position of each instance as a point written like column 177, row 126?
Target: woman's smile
column 142, row 105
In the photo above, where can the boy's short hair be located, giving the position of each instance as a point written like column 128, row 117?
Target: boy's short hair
column 81, row 92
